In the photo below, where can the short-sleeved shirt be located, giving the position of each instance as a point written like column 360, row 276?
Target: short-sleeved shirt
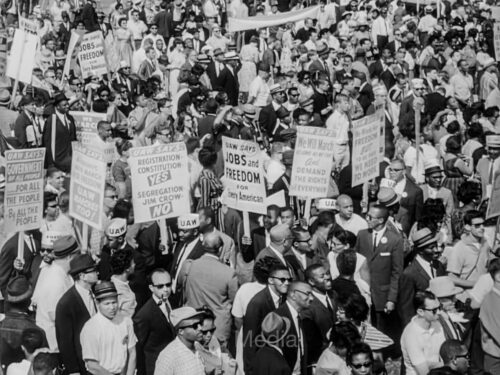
column 463, row 261
column 421, row 345
column 178, row 359
column 107, row 341
column 260, row 91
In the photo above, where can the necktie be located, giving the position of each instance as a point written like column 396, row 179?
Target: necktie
column 374, row 240
column 92, row 306
column 165, row 310
column 329, row 305
column 299, row 334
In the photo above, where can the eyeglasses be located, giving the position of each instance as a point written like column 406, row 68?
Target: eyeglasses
column 77, row 84
column 161, row 286
column 466, row 356
column 205, row 331
column 434, row 310
column 51, row 77
column 303, row 240
column 307, row 294
column 478, row 225
column 53, row 205
column 112, row 196
column 294, row 95
column 283, row 279
column 370, row 217
column 359, row 365
column 123, row 92
column 396, row 169
column 193, row 326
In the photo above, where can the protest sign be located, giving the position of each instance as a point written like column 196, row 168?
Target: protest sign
column 24, row 189
column 72, row 52
column 21, row 61
column 160, row 181
column 496, row 39
column 244, row 175
column 92, row 56
column 312, row 162
column 495, row 13
column 366, row 148
column 88, row 176
column 86, row 126
column 28, row 26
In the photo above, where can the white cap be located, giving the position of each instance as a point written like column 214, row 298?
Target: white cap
column 189, row 221
column 493, row 141
column 326, row 204
column 117, row 227
column 387, row 182
column 49, row 237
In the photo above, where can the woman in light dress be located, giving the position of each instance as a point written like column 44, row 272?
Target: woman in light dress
column 176, row 58
column 124, row 42
column 249, row 57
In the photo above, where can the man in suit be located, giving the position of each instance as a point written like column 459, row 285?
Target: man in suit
column 378, row 67
column 209, row 282
column 152, row 324
column 227, row 254
column 319, row 63
column 299, row 298
column 259, row 237
column 388, row 77
column 165, row 22
column 206, row 124
column 300, row 255
column 366, row 96
column 73, row 310
column 58, row 133
column 411, row 195
column 433, row 189
column 230, row 78
column 8, row 258
column 267, row 300
column 215, row 70
column 319, row 318
column 269, row 358
column 383, row 249
column 148, row 66
column 281, row 242
column 188, row 247
column 407, row 112
column 268, row 115
column 415, row 278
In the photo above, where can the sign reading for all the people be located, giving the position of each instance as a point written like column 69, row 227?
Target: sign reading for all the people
column 243, row 174
column 92, row 56
column 160, row 181
column 24, row 189
column 88, row 176
column 312, row 162
column 366, row 148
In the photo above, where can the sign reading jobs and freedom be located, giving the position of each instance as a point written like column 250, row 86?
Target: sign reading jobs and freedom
column 312, row 162
column 88, row 176
column 160, row 181
column 92, row 55
column 366, row 148
column 24, row 189
column 243, row 174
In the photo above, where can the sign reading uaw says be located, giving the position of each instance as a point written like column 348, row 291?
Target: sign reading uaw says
column 160, row 181
column 24, row 189
column 312, row 162
column 243, row 174
column 88, row 176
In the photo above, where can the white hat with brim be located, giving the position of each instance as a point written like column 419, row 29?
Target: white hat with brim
column 443, row 286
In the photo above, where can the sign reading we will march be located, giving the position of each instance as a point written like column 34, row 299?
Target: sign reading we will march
column 160, row 181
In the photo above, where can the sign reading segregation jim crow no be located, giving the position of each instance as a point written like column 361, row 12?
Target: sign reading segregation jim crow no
column 160, row 181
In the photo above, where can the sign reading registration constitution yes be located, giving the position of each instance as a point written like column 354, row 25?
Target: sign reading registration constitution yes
column 24, row 189
column 243, row 174
column 160, row 181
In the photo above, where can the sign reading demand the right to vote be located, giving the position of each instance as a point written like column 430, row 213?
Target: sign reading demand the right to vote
column 24, row 189
column 92, row 55
column 244, row 175
column 88, row 176
column 160, row 181
column 312, row 162
column 366, row 147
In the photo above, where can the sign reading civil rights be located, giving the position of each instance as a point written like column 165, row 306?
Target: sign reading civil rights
column 312, row 162
column 244, row 175
column 24, row 189
column 366, row 147
column 160, row 181
column 88, row 176
column 92, row 55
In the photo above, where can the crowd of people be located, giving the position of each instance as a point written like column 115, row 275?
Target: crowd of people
column 398, row 275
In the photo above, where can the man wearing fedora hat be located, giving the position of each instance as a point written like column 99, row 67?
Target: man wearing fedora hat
column 73, row 310
column 108, row 339
column 58, row 133
column 268, row 116
column 425, row 267
column 485, row 165
column 17, row 319
column 53, row 282
column 432, row 189
column 269, row 358
column 230, row 82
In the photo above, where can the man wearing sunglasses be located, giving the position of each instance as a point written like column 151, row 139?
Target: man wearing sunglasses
column 456, row 358
column 153, row 322
column 179, row 357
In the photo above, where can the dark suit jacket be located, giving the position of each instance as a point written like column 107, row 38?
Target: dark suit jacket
column 267, row 119
column 257, row 309
column 206, row 125
column 258, row 236
column 7, row 256
column 231, row 85
column 413, row 201
column 196, row 253
column 388, row 78
column 385, row 263
column 413, row 279
column 164, row 21
column 296, row 265
column 71, row 316
column 317, row 66
column 215, row 80
column 317, row 320
column 269, row 361
column 64, row 136
column 291, row 350
column 406, row 110
column 376, row 69
column 366, row 96
column 154, row 332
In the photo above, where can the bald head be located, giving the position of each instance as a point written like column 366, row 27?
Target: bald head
column 212, row 242
column 344, row 204
column 281, row 236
